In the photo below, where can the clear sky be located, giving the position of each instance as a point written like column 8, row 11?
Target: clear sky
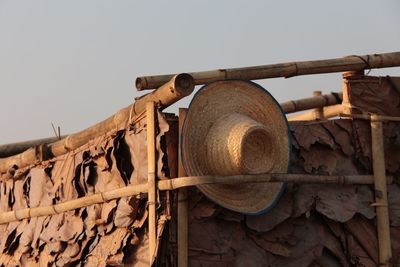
column 74, row 63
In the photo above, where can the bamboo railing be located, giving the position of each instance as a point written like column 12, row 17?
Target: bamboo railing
column 176, row 183
column 178, row 87
column 292, row 106
column 11, row 149
column 349, row 63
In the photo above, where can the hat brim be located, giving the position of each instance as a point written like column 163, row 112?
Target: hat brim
column 235, row 96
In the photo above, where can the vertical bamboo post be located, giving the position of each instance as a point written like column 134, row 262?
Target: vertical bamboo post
column 346, row 102
column 151, row 169
column 182, row 204
column 381, row 202
column 319, row 113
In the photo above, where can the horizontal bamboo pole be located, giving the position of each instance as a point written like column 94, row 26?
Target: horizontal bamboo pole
column 369, row 117
column 311, row 102
column 176, row 183
column 178, row 87
column 292, row 106
column 7, row 150
column 328, row 112
column 349, row 63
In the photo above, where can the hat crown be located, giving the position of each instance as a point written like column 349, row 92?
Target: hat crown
column 236, row 127
column 237, row 144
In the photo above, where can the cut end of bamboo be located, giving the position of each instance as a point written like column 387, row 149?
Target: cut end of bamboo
column 183, row 84
column 147, row 82
column 141, row 83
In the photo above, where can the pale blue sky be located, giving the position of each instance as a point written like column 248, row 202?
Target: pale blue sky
column 74, row 63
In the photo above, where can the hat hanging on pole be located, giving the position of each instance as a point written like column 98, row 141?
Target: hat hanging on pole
column 236, row 127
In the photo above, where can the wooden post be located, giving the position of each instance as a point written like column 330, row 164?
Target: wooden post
column 347, row 107
column 381, row 202
column 151, row 161
column 182, row 204
column 319, row 114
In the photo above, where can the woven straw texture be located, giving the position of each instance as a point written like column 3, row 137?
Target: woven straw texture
column 236, row 127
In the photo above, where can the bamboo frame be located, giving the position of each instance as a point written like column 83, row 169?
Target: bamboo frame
column 176, row 183
column 327, row 112
column 7, row 150
column 311, row 102
column 151, row 169
column 349, row 63
column 178, row 87
column 182, row 204
column 381, row 201
column 292, row 106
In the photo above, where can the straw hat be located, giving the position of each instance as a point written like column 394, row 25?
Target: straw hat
column 236, row 127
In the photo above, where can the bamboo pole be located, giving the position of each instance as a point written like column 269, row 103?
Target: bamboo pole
column 7, row 150
column 182, row 203
column 151, row 169
column 311, row 102
column 178, row 87
column 368, row 117
column 176, row 183
column 328, row 112
column 347, row 107
column 292, row 106
column 349, row 63
column 381, row 202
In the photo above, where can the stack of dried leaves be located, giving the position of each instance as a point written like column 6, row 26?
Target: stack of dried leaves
column 312, row 225
column 112, row 233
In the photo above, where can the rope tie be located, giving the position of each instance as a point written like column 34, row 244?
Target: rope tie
column 16, row 215
column 366, row 62
column 54, row 209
